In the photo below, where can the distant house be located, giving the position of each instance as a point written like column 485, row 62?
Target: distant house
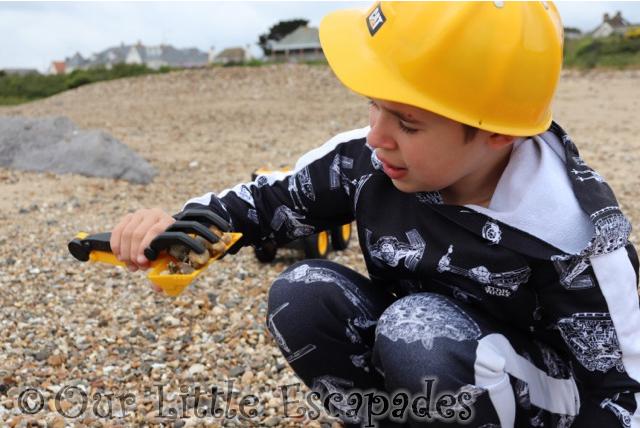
column 108, row 57
column 301, row 44
column 76, row 62
column 572, row 33
column 19, row 71
column 56, row 67
column 166, row 56
column 235, row 55
column 615, row 25
column 153, row 56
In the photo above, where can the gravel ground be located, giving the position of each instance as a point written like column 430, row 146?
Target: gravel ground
column 68, row 327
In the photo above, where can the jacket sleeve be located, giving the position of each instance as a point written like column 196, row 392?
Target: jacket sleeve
column 283, row 206
column 593, row 305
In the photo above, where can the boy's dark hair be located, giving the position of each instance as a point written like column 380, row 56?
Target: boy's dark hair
column 469, row 132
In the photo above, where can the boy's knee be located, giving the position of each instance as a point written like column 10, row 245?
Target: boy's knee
column 295, row 285
column 425, row 336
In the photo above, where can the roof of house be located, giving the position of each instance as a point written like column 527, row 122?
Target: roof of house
column 302, row 37
column 183, row 57
column 75, row 61
column 59, row 66
column 232, row 54
column 617, row 24
column 616, row 21
column 172, row 56
column 163, row 53
column 111, row 55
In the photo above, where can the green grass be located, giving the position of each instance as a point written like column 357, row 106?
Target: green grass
column 614, row 52
column 20, row 89
column 11, row 101
column 316, row 62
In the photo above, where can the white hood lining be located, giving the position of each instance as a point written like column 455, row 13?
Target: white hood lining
column 535, row 195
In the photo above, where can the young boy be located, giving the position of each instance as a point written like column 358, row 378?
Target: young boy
column 502, row 285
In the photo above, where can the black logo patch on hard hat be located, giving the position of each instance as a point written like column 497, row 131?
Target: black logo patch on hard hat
column 375, row 20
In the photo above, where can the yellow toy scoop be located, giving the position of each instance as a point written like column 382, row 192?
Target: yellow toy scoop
column 97, row 248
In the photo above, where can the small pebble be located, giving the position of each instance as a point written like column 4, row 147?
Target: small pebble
column 273, row 421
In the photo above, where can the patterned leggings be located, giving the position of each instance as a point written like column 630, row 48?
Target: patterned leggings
column 433, row 360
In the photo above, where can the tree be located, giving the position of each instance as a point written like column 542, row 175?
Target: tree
column 278, row 31
column 572, row 30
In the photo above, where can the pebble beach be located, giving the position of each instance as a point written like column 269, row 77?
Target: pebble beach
column 72, row 330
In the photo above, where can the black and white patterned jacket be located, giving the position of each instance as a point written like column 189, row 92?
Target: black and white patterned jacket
column 550, row 255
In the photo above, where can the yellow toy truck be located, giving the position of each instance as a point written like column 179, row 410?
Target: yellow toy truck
column 314, row 246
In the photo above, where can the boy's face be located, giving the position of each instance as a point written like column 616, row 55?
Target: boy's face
column 423, row 151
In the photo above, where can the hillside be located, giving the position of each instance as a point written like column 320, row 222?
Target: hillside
column 613, row 52
column 203, row 130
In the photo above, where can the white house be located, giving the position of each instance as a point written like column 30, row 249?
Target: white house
column 234, row 55
column 301, row 44
column 153, row 56
column 615, row 25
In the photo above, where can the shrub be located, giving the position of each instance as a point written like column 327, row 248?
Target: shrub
column 76, row 79
column 614, row 51
column 16, row 89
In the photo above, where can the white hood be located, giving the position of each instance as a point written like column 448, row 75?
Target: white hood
column 535, row 195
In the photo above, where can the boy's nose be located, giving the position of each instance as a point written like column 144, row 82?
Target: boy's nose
column 378, row 138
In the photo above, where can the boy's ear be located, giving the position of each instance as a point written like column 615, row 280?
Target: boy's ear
column 498, row 141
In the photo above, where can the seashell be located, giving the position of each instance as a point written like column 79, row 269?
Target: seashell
column 226, row 238
column 173, row 268
column 217, row 248
column 188, row 261
column 185, row 268
column 180, row 252
column 198, row 260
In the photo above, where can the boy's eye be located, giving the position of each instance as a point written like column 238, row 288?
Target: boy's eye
column 402, row 126
column 406, row 129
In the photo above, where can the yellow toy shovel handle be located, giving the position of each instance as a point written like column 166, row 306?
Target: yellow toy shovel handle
column 96, row 248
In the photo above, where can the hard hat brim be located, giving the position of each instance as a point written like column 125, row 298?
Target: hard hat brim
column 345, row 42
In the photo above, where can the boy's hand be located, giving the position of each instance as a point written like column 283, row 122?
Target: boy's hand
column 134, row 233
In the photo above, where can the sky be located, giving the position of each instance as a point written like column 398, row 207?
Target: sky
column 33, row 34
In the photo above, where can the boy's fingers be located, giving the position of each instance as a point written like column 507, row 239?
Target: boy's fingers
column 144, row 265
column 127, row 237
column 116, row 235
column 153, row 231
column 134, row 233
column 138, row 238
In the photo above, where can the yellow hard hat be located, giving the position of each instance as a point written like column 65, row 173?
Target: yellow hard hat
column 491, row 65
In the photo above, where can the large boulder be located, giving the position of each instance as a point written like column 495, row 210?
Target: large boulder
column 55, row 144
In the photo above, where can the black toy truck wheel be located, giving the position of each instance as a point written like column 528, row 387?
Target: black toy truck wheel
column 340, row 237
column 317, row 246
column 266, row 253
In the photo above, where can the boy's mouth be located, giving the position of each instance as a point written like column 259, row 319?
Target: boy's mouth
column 393, row 172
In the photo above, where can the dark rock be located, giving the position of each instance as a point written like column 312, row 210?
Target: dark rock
column 150, row 337
column 236, row 371
column 42, row 355
column 212, row 298
column 54, row 144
